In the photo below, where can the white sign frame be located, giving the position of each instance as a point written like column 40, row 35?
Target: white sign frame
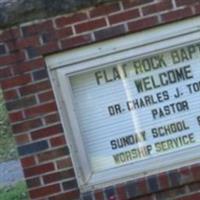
column 99, row 55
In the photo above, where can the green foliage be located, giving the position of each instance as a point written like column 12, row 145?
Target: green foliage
column 7, row 143
column 16, row 192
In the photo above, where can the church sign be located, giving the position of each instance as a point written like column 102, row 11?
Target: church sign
column 130, row 103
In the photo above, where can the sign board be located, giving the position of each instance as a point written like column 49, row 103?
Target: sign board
column 131, row 102
column 139, row 109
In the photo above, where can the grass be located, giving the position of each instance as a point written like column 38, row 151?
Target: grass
column 16, row 192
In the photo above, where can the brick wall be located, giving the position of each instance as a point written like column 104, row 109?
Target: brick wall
column 32, row 109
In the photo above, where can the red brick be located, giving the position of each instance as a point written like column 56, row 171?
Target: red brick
column 29, row 66
column 149, row 197
column 143, row 24
column 16, row 81
column 176, row 15
column 76, row 41
column 33, row 182
column 29, row 30
column 70, row 184
column 52, row 118
column 46, row 96
column 10, row 95
column 120, row 17
column 5, row 73
column 186, row 2
column 142, row 185
column 35, row 29
column 90, row 25
column 44, row 191
column 26, row 125
column 174, row 178
column 41, row 109
column 10, row 34
column 46, row 132
column 99, row 195
column 65, row 21
column 110, row 32
column 172, row 193
column 36, row 87
column 48, row 36
column 22, row 139
column 49, row 155
column 196, row 172
column 12, row 58
column 121, row 192
column 32, row 52
column 158, row 7
column 28, row 162
column 194, row 187
column 190, row 197
column 5, row 60
column 58, row 176
column 163, row 181
column 26, row 42
column 104, row 10
column 185, row 175
column 64, row 163
column 133, row 3
column 49, row 48
column 40, row 75
column 68, row 195
column 40, row 169
column 21, row 103
column 45, row 26
column 58, row 141
column 64, row 33
column 3, row 48
column 16, row 116
column 197, row 9
column 11, row 44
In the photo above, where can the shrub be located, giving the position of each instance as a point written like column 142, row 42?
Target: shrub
column 16, row 192
column 7, row 143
